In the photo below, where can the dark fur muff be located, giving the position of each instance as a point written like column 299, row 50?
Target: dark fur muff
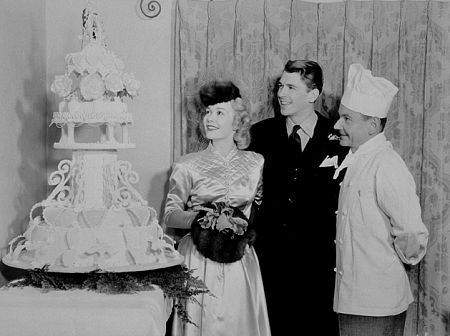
column 222, row 247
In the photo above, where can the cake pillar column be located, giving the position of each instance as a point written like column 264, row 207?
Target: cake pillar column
column 63, row 138
column 125, row 136
column 70, row 133
column 95, row 179
column 110, row 133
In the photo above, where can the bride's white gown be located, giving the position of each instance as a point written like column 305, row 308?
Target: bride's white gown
column 237, row 305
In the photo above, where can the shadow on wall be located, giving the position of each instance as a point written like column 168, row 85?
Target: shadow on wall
column 31, row 113
column 272, row 98
column 54, row 156
column 194, row 111
column 329, row 105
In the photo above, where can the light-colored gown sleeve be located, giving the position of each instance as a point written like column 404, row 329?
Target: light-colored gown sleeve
column 180, row 185
column 205, row 177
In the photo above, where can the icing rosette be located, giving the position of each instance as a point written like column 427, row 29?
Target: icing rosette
column 62, row 85
column 92, row 87
column 132, row 85
column 113, row 83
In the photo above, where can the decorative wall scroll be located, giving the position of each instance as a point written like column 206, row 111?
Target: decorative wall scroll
column 150, row 8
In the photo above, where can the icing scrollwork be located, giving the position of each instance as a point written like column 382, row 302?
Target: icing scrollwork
column 126, row 194
column 62, row 192
column 78, row 180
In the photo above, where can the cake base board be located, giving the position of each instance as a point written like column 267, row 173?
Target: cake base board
column 171, row 261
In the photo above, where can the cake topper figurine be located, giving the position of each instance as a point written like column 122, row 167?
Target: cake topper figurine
column 92, row 26
column 95, row 73
column 93, row 89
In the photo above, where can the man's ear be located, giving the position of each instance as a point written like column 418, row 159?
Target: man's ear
column 375, row 125
column 312, row 95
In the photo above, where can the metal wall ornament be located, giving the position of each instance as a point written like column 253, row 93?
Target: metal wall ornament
column 150, row 8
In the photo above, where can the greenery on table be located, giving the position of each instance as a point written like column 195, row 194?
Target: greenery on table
column 176, row 282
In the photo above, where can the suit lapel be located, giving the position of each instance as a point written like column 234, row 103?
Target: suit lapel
column 317, row 147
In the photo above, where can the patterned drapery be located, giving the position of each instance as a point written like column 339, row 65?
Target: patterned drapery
column 408, row 42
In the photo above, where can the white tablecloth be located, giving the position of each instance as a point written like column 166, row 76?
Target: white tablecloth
column 29, row 312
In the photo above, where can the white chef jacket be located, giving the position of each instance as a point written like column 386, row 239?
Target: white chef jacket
column 379, row 227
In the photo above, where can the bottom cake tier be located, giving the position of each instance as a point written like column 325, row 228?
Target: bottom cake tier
column 113, row 238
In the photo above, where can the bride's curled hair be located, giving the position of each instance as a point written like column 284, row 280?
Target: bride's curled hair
column 242, row 122
column 216, row 92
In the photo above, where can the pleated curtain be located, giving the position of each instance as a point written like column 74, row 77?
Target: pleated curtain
column 408, row 42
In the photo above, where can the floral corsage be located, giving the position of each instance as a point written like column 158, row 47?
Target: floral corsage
column 220, row 232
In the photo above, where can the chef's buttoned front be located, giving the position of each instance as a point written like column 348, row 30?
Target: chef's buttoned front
column 379, row 228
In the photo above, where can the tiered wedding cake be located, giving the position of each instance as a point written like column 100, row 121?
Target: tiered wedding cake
column 93, row 218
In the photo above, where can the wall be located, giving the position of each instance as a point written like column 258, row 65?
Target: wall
column 145, row 47
column 23, row 111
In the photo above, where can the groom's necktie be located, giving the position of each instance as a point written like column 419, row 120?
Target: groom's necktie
column 295, row 145
column 294, row 139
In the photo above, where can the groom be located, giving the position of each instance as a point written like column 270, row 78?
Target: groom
column 296, row 222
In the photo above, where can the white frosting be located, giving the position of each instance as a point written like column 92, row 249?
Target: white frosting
column 99, row 111
column 92, row 180
column 93, row 218
column 93, row 88
column 104, row 114
column 94, row 238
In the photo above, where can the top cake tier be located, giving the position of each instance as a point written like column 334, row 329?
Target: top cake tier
column 93, row 88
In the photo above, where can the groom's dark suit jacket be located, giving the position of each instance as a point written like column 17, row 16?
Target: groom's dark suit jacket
column 296, row 222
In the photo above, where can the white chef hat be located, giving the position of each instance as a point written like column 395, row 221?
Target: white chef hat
column 367, row 94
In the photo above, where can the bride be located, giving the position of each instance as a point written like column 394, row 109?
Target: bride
column 201, row 185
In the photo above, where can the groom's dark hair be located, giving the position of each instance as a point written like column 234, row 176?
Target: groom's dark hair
column 309, row 71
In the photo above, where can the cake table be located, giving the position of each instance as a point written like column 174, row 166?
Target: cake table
column 28, row 311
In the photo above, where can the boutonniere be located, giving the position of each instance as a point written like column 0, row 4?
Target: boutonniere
column 333, row 137
column 330, row 162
